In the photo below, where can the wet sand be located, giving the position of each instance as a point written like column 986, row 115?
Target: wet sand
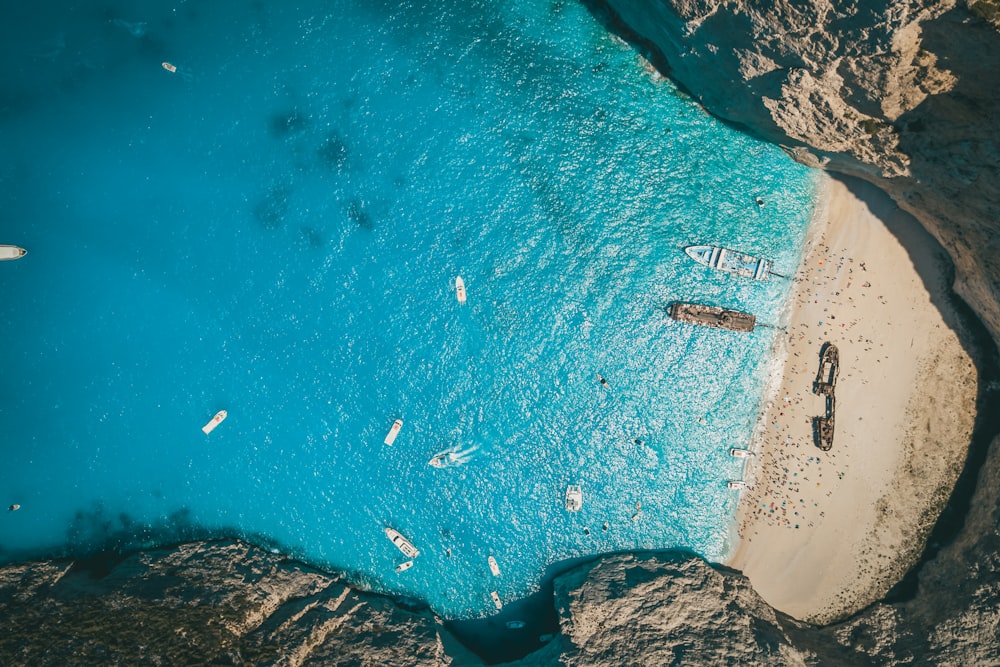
column 823, row 534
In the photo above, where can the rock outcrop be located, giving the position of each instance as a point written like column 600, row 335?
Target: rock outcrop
column 225, row 603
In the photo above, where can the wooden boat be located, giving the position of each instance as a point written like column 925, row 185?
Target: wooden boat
column 219, row 417
column 460, row 290
column 402, row 543
column 390, row 437
column 730, row 261
column 712, row 316
column 11, row 252
column 494, row 568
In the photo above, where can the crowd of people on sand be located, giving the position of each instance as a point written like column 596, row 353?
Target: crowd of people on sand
column 789, row 459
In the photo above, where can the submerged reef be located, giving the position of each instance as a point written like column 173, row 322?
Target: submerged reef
column 901, row 93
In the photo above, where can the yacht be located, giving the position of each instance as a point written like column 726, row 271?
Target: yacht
column 11, row 252
column 574, row 498
column 730, row 261
column 390, row 437
column 219, row 417
column 460, row 289
column 494, row 568
column 402, row 543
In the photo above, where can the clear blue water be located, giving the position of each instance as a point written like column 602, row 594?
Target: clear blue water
column 275, row 230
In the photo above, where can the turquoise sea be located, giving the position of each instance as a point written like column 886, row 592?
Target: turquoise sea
column 275, row 230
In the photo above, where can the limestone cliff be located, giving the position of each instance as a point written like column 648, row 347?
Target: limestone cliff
column 902, row 93
column 225, row 603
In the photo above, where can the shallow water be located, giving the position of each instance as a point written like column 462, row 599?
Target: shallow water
column 275, row 230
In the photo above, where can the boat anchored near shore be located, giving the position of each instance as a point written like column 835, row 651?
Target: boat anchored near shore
column 712, row 316
column 402, row 543
column 731, row 261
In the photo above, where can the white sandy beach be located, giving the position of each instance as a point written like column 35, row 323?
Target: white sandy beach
column 823, row 534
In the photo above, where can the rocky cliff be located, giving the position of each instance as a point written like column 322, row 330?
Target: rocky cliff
column 902, row 93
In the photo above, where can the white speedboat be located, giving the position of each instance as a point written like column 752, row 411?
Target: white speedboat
column 574, row 498
column 402, row 543
column 460, row 289
column 740, row 453
column 219, row 417
column 736, row 484
column 11, row 252
column 496, row 600
column 494, row 568
column 404, row 566
column 390, row 437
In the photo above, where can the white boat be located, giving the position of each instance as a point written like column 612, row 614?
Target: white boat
column 574, row 498
column 496, row 600
column 740, row 453
column 404, row 566
column 11, row 252
column 736, row 484
column 402, row 543
column 460, row 289
column 219, row 417
column 494, row 568
column 390, row 437
column 730, row 261
column 168, row 66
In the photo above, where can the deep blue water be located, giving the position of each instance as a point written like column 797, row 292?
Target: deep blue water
column 275, row 230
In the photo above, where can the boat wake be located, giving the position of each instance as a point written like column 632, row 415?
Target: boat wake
column 453, row 456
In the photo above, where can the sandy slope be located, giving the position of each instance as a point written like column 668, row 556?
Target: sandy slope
column 825, row 533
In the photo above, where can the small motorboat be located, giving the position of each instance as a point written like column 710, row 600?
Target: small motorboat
column 167, row 66
column 404, row 566
column 219, row 417
column 740, row 453
column 11, row 252
column 736, row 484
column 402, row 543
column 574, row 498
column 390, row 437
column 496, row 600
column 494, row 568
column 460, row 290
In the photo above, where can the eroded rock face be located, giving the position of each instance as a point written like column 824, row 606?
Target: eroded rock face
column 902, row 93
column 203, row 603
